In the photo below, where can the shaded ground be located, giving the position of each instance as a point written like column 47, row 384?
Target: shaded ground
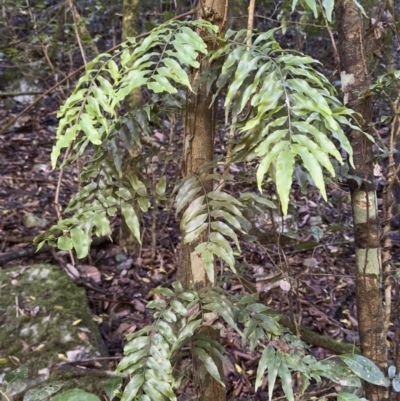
column 118, row 285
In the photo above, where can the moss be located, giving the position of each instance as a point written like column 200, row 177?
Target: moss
column 43, row 315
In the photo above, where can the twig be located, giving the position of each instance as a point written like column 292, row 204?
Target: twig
column 15, row 94
column 335, row 51
column 4, row 395
column 288, row 22
column 250, row 21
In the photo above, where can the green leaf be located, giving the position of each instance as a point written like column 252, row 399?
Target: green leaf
column 265, row 360
column 284, row 173
column 341, row 374
column 272, row 373
column 163, row 291
column 196, row 222
column 184, row 197
column 136, row 344
column 188, row 330
column 43, row 391
column 137, row 185
column 361, row 8
column 178, row 307
column 325, row 143
column 88, row 128
column 152, row 392
column 64, row 243
column 133, row 387
column 131, row 220
column 144, row 204
column 195, row 207
column 113, row 69
column 178, row 74
column 267, row 160
column 263, row 148
column 183, row 55
column 291, row 60
column 222, row 310
column 211, row 347
column 19, row 373
column 328, row 5
column 131, row 359
column 247, row 64
column 102, row 224
column 63, row 142
column 166, row 330
column 302, row 86
column 124, row 193
column 208, row 260
column 317, row 152
column 286, row 379
column 226, row 231
column 80, row 241
column 75, row 394
column 138, row 333
column 161, row 186
column 156, row 303
column 345, row 143
column 313, row 167
column 163, row 387
column 209, row 364
column 228, row 218
column 161, row 84
column 218, row 249
column 112, row 384
column 220, row 240
column 365, row 369
column 312, row 4
column 227, row 205
column 116, row 155
column 193, row 39
column 223, row 196
column 169, row 316
column 193, row 235
column 342, row 396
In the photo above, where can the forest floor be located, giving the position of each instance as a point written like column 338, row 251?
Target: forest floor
column 321, row 274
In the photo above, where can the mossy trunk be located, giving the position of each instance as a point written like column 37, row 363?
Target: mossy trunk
column 355, row 82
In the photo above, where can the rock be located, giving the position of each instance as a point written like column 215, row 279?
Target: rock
column 45, row 321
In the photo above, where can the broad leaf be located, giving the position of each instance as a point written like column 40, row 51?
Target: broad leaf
column 264, row 363
column 75, row 394
column 131, row 219
column 342, row 396
column 81, row 242
column 209, row 364
column 365, row 369
column 283, row 180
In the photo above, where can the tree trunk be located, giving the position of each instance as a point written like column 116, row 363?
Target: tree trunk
column 198, row 149
column 355, row 81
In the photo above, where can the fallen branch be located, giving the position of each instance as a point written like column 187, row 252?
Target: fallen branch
column 308, row 335
column 319, row 340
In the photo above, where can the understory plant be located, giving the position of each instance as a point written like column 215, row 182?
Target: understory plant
column 282, row 120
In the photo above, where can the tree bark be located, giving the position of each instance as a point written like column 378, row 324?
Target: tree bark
column 198, row 149
column 355, row 84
